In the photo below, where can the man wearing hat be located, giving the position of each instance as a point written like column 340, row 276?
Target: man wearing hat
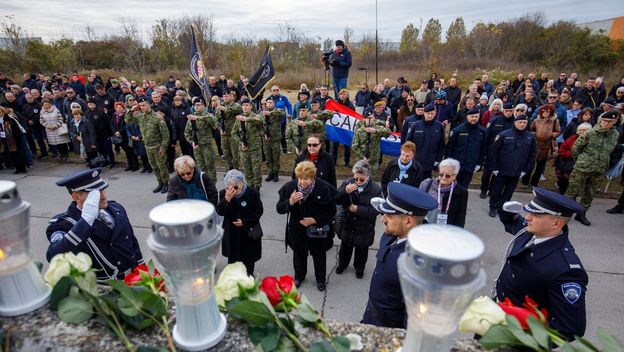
column 248, row 131
column 341, row 62
column 271, row 142
column 300, row 128
column 591, row 154
column 404, row 208
column 428, row 136
column 467, row 144
column 95, row 226
column 229, row 111
column 541, row 263
column 198, row 132
column 419, row 114
column 496, row 126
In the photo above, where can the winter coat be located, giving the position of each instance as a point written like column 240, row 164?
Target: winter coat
column 133, row 130
column 325, row 168
column 459, row 201
column 237, row 244
column 341, row 63
column 467, row 144
column 86, row 131
column 177, row 190
column 429, row 139
column 178, row 116
column 591, row 150
column 512, row 152
column 546, row 131
column 52, row 118
column 359, row 227
column 412, row 176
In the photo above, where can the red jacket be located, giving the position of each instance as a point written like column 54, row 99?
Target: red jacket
column 565, row 150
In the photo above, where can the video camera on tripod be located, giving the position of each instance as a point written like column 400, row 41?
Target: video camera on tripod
column 327, row 58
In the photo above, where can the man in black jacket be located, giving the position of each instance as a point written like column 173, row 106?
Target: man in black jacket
column 467, row 144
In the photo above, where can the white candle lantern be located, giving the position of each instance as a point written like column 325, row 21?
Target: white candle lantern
column 22, row 288
column 186, row 240
column 440, row 273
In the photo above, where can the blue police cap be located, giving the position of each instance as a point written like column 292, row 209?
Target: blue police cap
column 472, row 111
column 429, row 107
column 83, row 180
column 508, row 106
column 553, row 203
column 404, row 199
column 521, row 118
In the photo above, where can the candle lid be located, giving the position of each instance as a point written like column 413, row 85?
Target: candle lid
column 184, row 223
column 10, row 200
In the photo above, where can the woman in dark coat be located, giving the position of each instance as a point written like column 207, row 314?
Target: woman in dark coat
column 191, row 183
column 452, row 198
column 311, row 205
column 241, row 208
column 81, row 130
column 118, row 127
column 323, row 161
column 10, row 147
column 136, row 138
column 357, row 230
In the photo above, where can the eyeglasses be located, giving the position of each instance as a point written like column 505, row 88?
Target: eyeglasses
column 446, row 175
column 235, row 187
column 552, row 97
column 182, row 174
column 275, row 90
column 360, row 179
column 520, row 110
column 410, row 99
column 70, row 93
column 313, row 145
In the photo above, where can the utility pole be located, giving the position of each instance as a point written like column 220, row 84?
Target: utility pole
column 376, row 47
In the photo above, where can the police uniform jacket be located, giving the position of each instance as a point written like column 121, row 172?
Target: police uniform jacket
column 513, row 152
column 407, row 126
column 359, row 227
column 114, row 252
column 412, row 177
column 325, row 168
column 549, row 272
column 236, row 242
column 467, row 144
column 498, row 125
column 385, row 305
column 429, row 139
column 320, row 205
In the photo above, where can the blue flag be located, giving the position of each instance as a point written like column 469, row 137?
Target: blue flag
column 198, row 71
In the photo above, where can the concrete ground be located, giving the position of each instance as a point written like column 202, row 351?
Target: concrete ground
column 599, row 246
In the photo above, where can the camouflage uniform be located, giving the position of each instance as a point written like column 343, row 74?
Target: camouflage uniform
column 323, row 116
column 155, row 138
column 591, row 152
column 202, row 136
column 250, row 134
column 369, row 143
column 272, row 139
column 228, row 143
column 297, row 136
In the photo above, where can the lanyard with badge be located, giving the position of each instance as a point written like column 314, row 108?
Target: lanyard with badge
column 442, row 217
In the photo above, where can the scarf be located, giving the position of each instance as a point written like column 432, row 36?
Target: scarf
column 118, row 117
column 242, row 192
column 403, row 168
column 306, row 191
column 313, row 158
column 192, row 191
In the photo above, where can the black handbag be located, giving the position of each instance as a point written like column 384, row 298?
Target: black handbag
column 255, row 233
column 116, row 140
column 314, row 231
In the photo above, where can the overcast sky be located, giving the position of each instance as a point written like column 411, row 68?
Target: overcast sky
column 259, row 19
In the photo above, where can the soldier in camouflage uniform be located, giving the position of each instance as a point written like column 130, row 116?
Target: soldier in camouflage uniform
column 317, row 113
column 299, row 129
column 155, row 137
column 248, row 131
column 229, row 111
column 591, row 153
column 366, row 142
column 198, row 132
column 272, row 138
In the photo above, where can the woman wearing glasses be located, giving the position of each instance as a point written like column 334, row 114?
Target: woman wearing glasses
column 357, row 231
column 324, row 162
column 190, row 183
column 241, row 208
column 452, row 198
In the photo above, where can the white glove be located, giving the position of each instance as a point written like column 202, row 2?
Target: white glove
column 495, row 172
column 91, row 207
column 477, row 168
column 513, row 207
column 522, row 174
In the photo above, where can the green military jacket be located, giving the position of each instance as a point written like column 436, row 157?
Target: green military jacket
column 153, row 129
column 363, row 140
column 205, row 123
column 297, row 136
column 273, row 125
column 592, row 149
column 252, row 133
column 228, row 117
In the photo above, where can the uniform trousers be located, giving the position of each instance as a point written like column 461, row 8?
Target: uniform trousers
column 502, row 189
column 230, row 151
column 272, row 152
column 204, row 156
column 464, row 178
column 584, row 184
column 486, row 179
column 251, row 160
column 159, row 165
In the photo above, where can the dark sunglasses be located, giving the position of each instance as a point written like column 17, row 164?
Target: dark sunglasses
column 358, row 179
column 182, row 174
column 314, row 145
column 446, row 175
column 276, row 90
column 235, row 187
column 552, row 97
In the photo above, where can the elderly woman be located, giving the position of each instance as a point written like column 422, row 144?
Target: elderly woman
column 546, row 129
column 357, row 230
column 310, row 204
column 241, row 208
column 452, row 198
column 190, row 183
column 56, row 130
column 495, row 110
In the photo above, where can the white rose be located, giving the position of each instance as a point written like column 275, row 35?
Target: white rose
column 227, row 284
column 59, row 267
column 480, row 316
column 355, row 342
column 82, row 262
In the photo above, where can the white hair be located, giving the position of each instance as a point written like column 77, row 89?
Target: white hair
column 361, row 167
column 450, row 162
column 185, row 160
column 233, row 176
column 584, row 126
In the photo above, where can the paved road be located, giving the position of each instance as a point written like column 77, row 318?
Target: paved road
column 599, row 246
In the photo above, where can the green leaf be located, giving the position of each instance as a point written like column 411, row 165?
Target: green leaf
column 321, row 346
column 284, row 345
column 150, row 267
column 498, row 336
column 127, row 307
column 267, row 336
column 540, row 334
column 308, row 313
column 123, row 289
column 88, row 282
column 609, row 342
column 254, row 313
column 60, row 291
column 567, row 348
column 151, row 349
column 341, row 344
column 74, row 309
column 588, row 346
column 518, row 332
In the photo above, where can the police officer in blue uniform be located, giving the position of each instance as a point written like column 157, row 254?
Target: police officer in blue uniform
column 541, row 262
column 428, row 135
column 494, row 128
column 404, row 208
column 467, row 144
column 512, row 156
column 96, row 226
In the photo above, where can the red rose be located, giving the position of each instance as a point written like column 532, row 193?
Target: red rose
column 269, row 286
column 281, row 293
column 287, row 284
column 522, row 314
column 134, row 278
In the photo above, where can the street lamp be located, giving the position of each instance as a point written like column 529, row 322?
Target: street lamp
column 440, row 273
column 186, row 240
column 22, row 288
column 365, row 69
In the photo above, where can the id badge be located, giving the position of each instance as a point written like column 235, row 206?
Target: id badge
column 442, row 218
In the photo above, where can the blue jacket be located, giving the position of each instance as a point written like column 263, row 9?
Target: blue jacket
column 342, row 63
column 467, row 144
column 445, row 111
column 385, row 306
column 488, row 88
column 513, row 152
column 549, row 272
column 79, row 88
column 496, row 126
column 429, row 139
column 281, row 102
column 362, row 98
column 113, row 252
column 407, row 125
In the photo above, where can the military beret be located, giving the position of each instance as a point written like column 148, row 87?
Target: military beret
column 610, row 101
column 429, row 107
column 270, row 97
column 228, row 91
column 316, row 101
column 303, row 107
column 609, row 115
column 379, row 103
column 198, row 100
column 245, row 101
column 508, row 106
column 143, row 100
column 420, row 105
column 472, row 111
column 521, row 118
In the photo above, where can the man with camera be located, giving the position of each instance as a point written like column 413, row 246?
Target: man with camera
column 340, row 60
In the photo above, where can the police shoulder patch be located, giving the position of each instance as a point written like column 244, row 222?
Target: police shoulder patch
column 496, row 138
column 571, row 291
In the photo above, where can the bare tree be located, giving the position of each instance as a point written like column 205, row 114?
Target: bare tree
column 15, row 35
column 348, row 34
column 89, row 33
column 134, row 53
